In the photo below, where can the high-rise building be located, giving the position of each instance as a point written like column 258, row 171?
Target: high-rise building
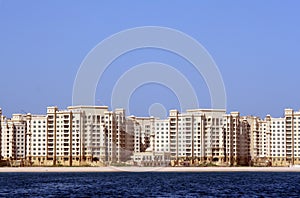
column 286, row 139
column 236, row 139
column 36, row 139
column 197, row 135
column 83, row 135
column 8, row 141
column 19, row 122
column 161, row 136
column 278, row 142
column 80, row 134
column 254, row 123
column 59, row 136
column 152, row 142
column 13, row 137
column 143, row 127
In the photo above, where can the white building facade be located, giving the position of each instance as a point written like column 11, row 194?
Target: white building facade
column 82, row 135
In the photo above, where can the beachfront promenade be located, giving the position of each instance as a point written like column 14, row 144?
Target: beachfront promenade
column 149, row 169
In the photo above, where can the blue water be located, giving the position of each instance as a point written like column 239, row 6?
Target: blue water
column 211, row 184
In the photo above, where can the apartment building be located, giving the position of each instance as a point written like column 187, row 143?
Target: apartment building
column 36, row 139
column 236, row 139
column 265, row 137
column 82, row 134
column 93, row 134
column 75, row 136
column 134, row 127
column 197, row 135
column 278, row 141
column 161, row 136
column 156, row 146
column 124, row 137
column 8, row 141
column 59, row 133
column 20, row 127
column 292, row 141
column 13, row 137
column 143, row 127
column 286, row 139
column 254, row 135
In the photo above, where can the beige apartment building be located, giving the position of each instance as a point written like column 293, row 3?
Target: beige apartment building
column 76, row 136
column 236, row 139
column 142, row 128
column 278, row 142
column 156, row 151
column 161, row 136
column 36, row 139
column 286, row 139
column 200, row 136
column 275, row 141
column 255, row 136
column 8, row 141
column 13, row 137
column 197, row 135
column 83, row 135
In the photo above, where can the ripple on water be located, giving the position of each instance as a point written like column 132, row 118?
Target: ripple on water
column 233, row 184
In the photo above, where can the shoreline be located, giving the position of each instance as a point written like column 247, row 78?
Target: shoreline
column 147, row 169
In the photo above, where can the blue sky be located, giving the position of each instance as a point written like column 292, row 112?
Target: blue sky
column 255, row 45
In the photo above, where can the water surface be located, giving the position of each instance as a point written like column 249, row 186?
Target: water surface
column 150, row 184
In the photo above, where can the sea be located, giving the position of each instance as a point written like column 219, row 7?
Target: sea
column 151, row 184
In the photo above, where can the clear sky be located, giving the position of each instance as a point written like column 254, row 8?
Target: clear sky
column 254, row 43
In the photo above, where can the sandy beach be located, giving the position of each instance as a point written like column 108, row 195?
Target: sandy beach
column 149, row 169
